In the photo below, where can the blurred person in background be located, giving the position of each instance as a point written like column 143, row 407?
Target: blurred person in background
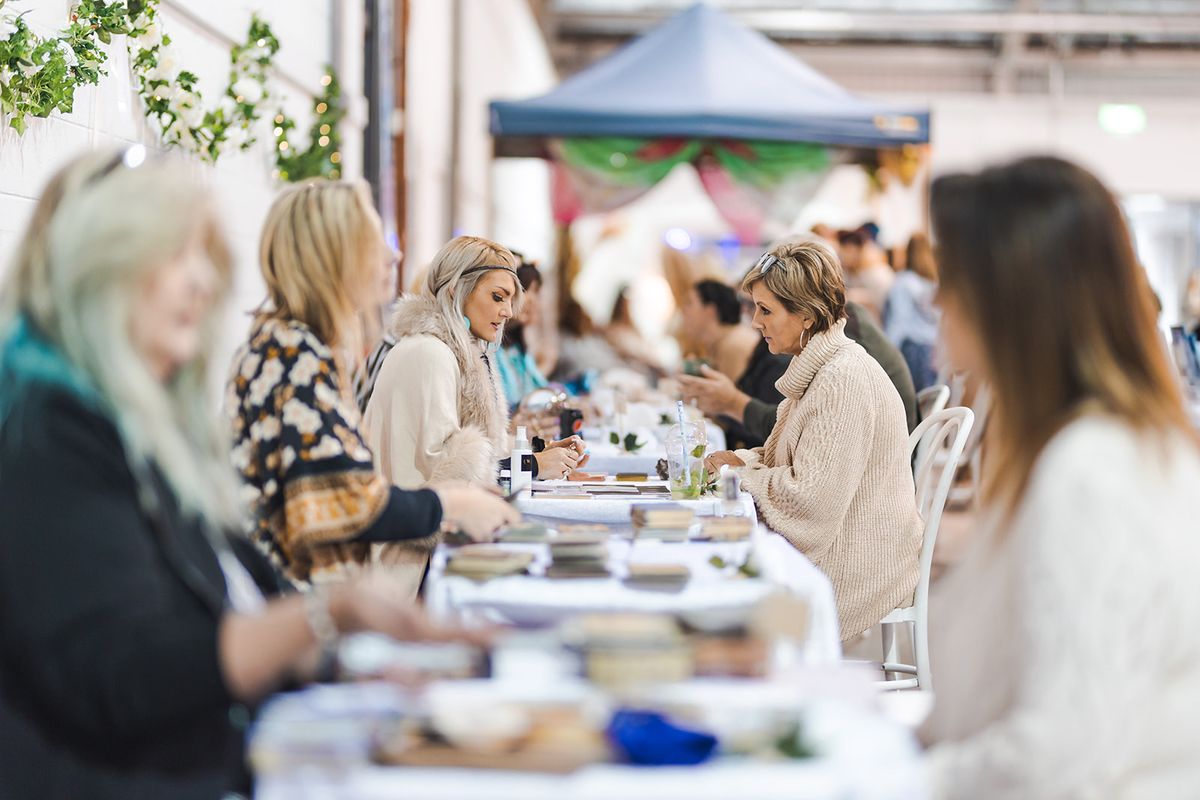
column 317, row 499
column 1064, row 645
column 742, row 362
column 583, row 352
column 910, row 317
column 869, row 277
column 627, row 339
column 712, row 317
column 833, row 477
column 136, row 625
column 516, row 365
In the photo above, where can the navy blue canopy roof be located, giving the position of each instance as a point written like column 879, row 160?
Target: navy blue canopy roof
column 700, row 74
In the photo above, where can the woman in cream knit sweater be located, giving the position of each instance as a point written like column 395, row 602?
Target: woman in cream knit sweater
column 833, row 477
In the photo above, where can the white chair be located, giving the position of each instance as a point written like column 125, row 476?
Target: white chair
column 945, row 434
column 930, row 401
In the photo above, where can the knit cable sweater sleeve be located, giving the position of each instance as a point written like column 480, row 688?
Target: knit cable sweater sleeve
column 1095, row 630
column 806, row 499
column 751, row 458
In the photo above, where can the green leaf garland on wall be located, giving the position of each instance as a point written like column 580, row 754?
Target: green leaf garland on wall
column 323, row 157
column 40, row 75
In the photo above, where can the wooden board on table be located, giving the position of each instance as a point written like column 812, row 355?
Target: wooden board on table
column 553, row 760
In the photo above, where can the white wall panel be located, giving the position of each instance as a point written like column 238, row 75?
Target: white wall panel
column 110, row 113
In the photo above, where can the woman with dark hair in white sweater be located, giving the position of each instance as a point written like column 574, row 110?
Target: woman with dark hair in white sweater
column 1064, row 645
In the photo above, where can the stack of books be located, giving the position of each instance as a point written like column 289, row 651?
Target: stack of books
column 482, row 562
column 726, row 529
column 667, row 521
column 523, row 533
column 658, row 577
column 623, row 649
column 578, row 555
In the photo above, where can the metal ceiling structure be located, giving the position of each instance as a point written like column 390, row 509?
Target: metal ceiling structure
column 1069, row 48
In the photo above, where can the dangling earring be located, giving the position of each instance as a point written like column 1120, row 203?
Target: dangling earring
column 467, row 321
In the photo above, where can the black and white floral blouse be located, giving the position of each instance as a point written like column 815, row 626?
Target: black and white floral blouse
column 316, row 500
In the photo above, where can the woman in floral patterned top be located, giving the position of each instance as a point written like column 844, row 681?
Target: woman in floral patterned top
column 318, row 501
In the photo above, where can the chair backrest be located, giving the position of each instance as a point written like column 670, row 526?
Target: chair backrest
column 945, row 434
column 932, row 399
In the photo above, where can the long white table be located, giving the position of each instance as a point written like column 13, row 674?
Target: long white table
column 712, row 598
column 314, row 745
column 614, row 510
column 861, row 754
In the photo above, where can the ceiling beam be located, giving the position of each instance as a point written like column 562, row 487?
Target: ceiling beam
column 783, row 23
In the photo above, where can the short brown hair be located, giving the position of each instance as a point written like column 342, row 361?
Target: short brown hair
column 807, row 280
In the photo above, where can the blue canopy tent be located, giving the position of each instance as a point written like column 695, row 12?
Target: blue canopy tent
column 701, row 74
column 760, row 127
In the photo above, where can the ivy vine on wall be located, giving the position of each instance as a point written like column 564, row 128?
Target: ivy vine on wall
column 40, row 75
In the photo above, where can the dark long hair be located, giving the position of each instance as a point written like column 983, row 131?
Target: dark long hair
column 1038, row 256
column 528, row 276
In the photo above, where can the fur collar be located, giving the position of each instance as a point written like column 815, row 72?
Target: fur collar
column 481, row 401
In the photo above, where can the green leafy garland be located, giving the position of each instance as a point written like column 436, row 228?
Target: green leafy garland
column 40, row 75
column 323, row 158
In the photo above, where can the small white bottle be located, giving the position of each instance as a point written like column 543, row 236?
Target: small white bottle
column 521, row 465
column 729, row 487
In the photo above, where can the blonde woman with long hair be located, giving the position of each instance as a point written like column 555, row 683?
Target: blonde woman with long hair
column 135, row 624
column 318, row 502
column 1064, row 646
column 437, row 410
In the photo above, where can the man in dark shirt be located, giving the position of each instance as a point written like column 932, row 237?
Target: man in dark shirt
column 717, row 395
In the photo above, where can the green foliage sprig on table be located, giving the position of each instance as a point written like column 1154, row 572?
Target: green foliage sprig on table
column 630, row 443
column 40, row 75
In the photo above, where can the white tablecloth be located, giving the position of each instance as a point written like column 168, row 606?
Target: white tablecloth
column 861, row 755
column 614, row 509
column 610, row 459
column 712, row 598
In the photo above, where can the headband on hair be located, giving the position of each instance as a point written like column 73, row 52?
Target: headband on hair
column 482, row 268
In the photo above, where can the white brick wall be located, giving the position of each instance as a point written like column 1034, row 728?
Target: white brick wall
column 109, row 113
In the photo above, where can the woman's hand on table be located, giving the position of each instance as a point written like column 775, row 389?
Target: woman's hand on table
column 371, row 603
column 576, row 445
column 714, row 393
column 477, row 512
column 556, row 462
column 722, row 458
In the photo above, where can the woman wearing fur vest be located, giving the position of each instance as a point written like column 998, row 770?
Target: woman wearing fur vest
column 437, row 410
